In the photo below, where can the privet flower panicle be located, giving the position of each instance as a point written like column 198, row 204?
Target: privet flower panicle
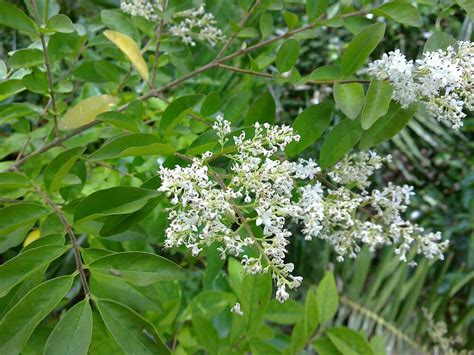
column 197, row 23
column 438, row 332
column 143, row 8
column 261, row 190
column 442, row 80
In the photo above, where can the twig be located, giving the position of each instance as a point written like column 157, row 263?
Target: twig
column 241, row 25
column 159, row 32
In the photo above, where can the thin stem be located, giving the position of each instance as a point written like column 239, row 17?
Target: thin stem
column 72, row 237
column 159, row 33
column 241, row 25
column 49, row 72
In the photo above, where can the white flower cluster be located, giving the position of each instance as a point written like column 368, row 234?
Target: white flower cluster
column 259, row 191
column 143, row 8
column 438, row 332
column 442, row 80
column 197, row 23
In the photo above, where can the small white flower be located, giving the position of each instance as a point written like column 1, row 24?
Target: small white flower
column 236, row 309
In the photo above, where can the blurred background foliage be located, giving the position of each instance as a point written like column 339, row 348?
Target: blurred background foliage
column 379, row 294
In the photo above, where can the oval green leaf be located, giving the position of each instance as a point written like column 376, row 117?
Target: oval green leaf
column 402, row 12
column 287, row 55
column 376, row 105
column 86, row 111
column 13, row 17
column 327, row 298
column 134, row 144
column 177, row 109
column 339, row 141
column 439, row 40
column 360, row 47
column 138, row 268
column 18, row 324
column 348, row 341
column 262, row 110
column 14, row 216
column 349, row 98
column 25, row 58
column 72, row 335
column 59, row 167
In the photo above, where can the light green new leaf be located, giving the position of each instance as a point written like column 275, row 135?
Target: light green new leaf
column 18, row 268
column 402, row 12
column 134, row 334
column 111, row 201
column 138, row 268
column 327, row 298
column 349, row 342
column 360, row 47
column 310, row 125
column 25, row 58
column 263, row 110
column 177, row 109
column 86, row 111
column 376, row 105
column 349, row 98
column 13, row 17
column 72, row 335
column 287, row 55
column 18, row 324
column 315, row 8
column 133, row 144
column 439, row 40
column 344, row 136
column 14, row 216
column 56, row 170
column 60, row 23
column 387, row 126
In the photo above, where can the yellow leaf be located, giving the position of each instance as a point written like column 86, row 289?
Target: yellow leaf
column 32, row 236
column 86, row 111
column 130, row 49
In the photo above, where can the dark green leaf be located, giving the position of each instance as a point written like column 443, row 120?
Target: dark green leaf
column 111, row 201
column 339, row 141
column 310, row 125
column 14, row 216
column 287, row 55
column 439, row 40
column 72, row 335
column 56, row 171
column 134, row 334
column 60, row 23
column 138, row 268
column 120, row 120
column 177, row 109
column 211, row 104
column 349, row 98
column 133, row 144
column 10, row 87
column 262, row 110
column 402, row 12
column 18, row 324
column 387, row 126
column 13, row 184
column 13, row 17
column 315, row 8
column 376, row 105
column 360, row 47
column 25, row 58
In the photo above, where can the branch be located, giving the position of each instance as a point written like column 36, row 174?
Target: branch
column 159, row 32
column 241, row 25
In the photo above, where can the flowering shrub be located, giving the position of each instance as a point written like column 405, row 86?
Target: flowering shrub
column 148, row 204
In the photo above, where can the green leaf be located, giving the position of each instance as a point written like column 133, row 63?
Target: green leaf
column 18, row 268
column 304, row 330
column 287, row 55
column 360, row 47
column 13, row 17
column 349, row 98
column 13, row 185
column 59, row 167
column 86, row 111
column 206, row 334
column 342, row 138
column 263, row 110
column 402, row 12
column 14, row 216
column 72, row 335
column 378, row 345
column 387, row 126
column 467, row 6
column 211, row 104
column 439, row 40
column 327, row 73
column 349, row 342
column 36, row 82
column 310, row 125
column 111, row 201
column 133, row 144
column 178, row 109
column 60, row 23
column 10, row 87
column 315, row 8
column 266, row 24
column 18, row 324
column 25, row 58
column 118, row 21
column 327, row 298
column 120, row 120
column 134, row 334
column 324, row 346
column 138, row 268
column 285, row 313
column 291, row 20
column 376, row 105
